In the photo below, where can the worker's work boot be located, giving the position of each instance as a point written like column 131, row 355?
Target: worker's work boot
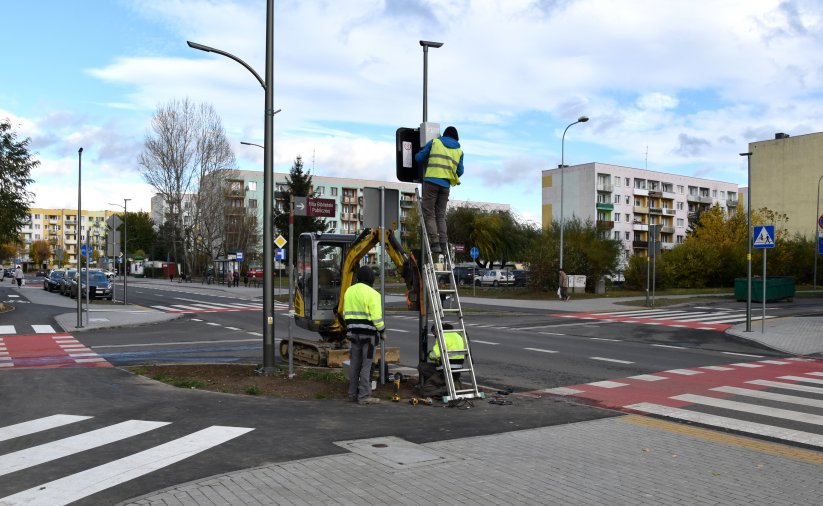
column 436, row 248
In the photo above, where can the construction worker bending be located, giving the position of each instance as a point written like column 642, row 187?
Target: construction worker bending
column 363, row 315
column 431, row 373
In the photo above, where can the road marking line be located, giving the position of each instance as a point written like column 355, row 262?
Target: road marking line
column 605, row 339
column 800, row 378
column 164, row 308
column 760, row 394
column 88, row 360
column 484, row 342
column 748, row 365
column 7, row 329
column 392, row 331
column 579, row 324
column 196, row 320
column 607, row 384
column 562, row 391
column 787, row 386
column 551, row 333
column 85, row 483
column 43, row 329
column 54, row 450
column 751, row 408
column 254, row 334
column 213, row 324
column 683, row 372
column 669, row 346
column 233, row 328
column 777, row 449
column 716, row 368
column 815, row 373
column 604, row 359
column 775, row 362
column 648, row 377
column 741, row 355
column 540, row 350
column 38, row 425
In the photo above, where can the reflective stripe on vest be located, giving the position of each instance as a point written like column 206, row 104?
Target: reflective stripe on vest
column 443, row 162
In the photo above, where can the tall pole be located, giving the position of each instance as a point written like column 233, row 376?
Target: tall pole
column 816, row 235
column 77, row 236
column 426, row 44
column 749, row 241
column 125, row 249
column 581, row 119
column 268, row 134
column 268, row 194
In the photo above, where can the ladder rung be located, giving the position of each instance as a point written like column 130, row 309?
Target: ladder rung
column 442, row 272
column 451, row 310
column 448, row 291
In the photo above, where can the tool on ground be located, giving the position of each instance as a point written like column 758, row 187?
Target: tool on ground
column 500, row 401
column 397, row 378
column 414, row 401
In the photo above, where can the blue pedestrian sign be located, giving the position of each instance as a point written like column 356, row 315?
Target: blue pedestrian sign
column 279, row 254
column 474, row 252
column 820, row 245
column 764, row 236
column 239, row 256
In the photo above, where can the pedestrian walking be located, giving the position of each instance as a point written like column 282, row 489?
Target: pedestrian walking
column 363, row 315
column 18, row 276
column 564, row 286
column 236, row 279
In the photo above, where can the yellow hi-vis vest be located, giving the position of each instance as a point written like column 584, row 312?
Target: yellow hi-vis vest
column 361, row 309
column 454, row 341
column 443, row 162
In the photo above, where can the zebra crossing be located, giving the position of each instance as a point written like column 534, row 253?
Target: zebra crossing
column 105, row 475
column 719, row 319
column 778, row 399
column 195, row 306
column 44, row 348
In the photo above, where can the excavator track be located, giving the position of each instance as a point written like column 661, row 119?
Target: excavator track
column 325, row 354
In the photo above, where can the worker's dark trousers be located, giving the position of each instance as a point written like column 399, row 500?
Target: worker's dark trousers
column 435, row 200
column 361, row 355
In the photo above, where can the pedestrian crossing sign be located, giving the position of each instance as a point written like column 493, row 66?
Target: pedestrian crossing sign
column 764, row 236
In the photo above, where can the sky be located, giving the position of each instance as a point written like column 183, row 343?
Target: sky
column 675, row 86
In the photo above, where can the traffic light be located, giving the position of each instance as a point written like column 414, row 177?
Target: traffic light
column 407, row 145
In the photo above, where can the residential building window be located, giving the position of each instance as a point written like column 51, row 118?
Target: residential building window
column 37, row 216
column 680, row 206
column 253, row 203
column 627, row 200
column 680, row 222
column 616, row 235
column 252, row 185
column 714, row 193
column 616, row 217
column 616, row 199
column 334, row 191
column 680, row 189
column 617, row 181
column 637, row 203
column 628, row 183
column 321, row 190
column 628, row 218
column 628, row 236
column 679, row 239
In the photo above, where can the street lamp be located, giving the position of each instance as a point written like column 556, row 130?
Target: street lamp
column 581, row 119
column 125, row 207
column 268, row 127
column 426, row 45
column 816, row 234
column 749, row 241
column 77, row 236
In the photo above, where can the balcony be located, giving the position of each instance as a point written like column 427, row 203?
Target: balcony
column 692, row 198
column 655, row 194
column 640, row 210
column 641, row 191
column 640, row 227
column 407, row 203
column 603, row 206
column 669, row 195
column 731, row 203
column 655, row 210
column 666, row 230
column 605, row 225
column 70, row 223
column 604, row 187
column 671, row 211
column 640, row 244
column 667, row 245
column 70, row 241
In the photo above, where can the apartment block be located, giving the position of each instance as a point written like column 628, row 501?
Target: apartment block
column 60, row 228
column 624, row 201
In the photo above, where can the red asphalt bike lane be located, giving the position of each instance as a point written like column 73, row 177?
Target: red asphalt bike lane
column 720, row 327
column 46, row 351
column 622, row 392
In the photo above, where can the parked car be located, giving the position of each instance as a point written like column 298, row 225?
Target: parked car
column 65, row 281
column 99, row 283
column 109, row 274
column 465, row 275
column 52, row 281
column 9, row 273
column 496, row 277
column 520, row 277
column 255, row 272
column 42, row 273
column 478, row 276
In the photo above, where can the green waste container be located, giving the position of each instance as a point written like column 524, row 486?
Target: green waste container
column 777, row 288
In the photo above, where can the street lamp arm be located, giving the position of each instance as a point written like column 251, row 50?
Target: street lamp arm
column 209, row 49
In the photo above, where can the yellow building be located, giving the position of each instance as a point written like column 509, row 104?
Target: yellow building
column 59, row 228
column 786, row 174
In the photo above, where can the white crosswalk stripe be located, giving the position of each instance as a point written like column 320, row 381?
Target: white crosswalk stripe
column 10, row 330
column 206, row 306
column 718, row 315
column 103, row 475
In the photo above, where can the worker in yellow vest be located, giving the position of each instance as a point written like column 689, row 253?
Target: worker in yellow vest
column 454, row 341
column 363, row 316
column 444, row 166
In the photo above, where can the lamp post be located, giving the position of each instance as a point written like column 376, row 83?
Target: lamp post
column 816, row 234
column 581, row 119
column 426, row 45
column 748, row 156
column 125, row 207
column 268, row 127
column 77, row 236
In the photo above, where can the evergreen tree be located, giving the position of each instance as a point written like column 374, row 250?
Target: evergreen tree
column 16, row 164
column 298, row 184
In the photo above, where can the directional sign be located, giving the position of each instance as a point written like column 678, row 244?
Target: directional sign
column 280, row 241
column 300, row 206
column 239, row 256
column 474, row 252
column 318, row 208
column 764, row 236
column 279, row 254
column 459, row 248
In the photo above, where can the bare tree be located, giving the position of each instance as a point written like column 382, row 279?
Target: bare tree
column 187, row 145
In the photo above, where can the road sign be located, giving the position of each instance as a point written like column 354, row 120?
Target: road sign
column 239, row 256
column 820, row 245
column 279, row 254
column 459, row 248
column 764, row 236
column 85, row 251
column 280, row 241
column 318, row 208
column 474, row 252
column 820, row 221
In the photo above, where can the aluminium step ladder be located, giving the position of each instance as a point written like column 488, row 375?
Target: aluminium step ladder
column 452, row 315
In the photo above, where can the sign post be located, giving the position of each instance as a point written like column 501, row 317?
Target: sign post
column 474, row 253
column 764, row 239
